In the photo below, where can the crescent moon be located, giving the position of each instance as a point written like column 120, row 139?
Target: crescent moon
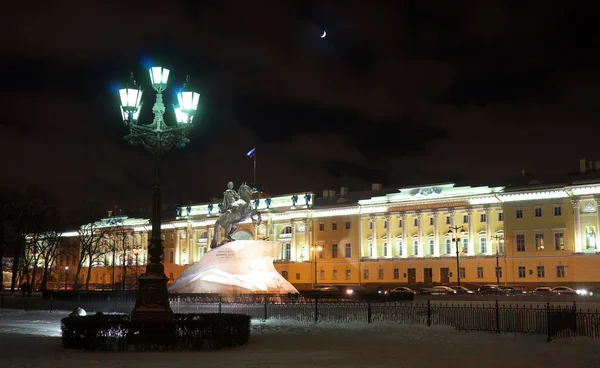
column 324, row 34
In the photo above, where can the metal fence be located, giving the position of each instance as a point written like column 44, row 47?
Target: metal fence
column 553, row 321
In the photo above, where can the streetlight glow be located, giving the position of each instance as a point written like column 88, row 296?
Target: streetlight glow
column 131, row 101
column 188, row 101
column 133, row 117
column 454, row 232
column 159, row 77
column 181, row 117
column 158, row 137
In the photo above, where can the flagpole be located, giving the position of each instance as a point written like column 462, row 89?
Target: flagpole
column 254, row 157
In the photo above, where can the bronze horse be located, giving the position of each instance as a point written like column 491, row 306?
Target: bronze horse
column 239, row 211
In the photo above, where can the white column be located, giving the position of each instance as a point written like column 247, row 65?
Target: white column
column 374, row 236
column 361, row 242
column 208, row 237
column 196, row 249
column 436, row 234
column 404, row 236
column 488, row 231
column 188, row 245
column 293, row 245
column 269, row 231
column 177, row 248
column 307, row 242
column 275, row 232
column 419, row 234
column 577, row 225
column 597, row 199
column 453, row 244
column 471, row 248
column 390, row 241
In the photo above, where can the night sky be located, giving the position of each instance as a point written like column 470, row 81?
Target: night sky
column 399, row 92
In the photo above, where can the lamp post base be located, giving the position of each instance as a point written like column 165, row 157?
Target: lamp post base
column 152, row 303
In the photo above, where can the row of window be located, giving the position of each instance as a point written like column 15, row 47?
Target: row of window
column 538, row 212
column 286, row 251
column 479, row 273
column 347, row 226
column 130, row 260
column 482, row 218
column 539, row 243
column 447, row 247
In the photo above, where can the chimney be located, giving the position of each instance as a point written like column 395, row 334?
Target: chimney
column 523, row 172
column 109, row 213
column 326, row 193
column 343, row 191
column 582, row 166
column 597, row 166
column 376, row 187
column 332, row 194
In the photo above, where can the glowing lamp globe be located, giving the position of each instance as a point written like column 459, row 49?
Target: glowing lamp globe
column 188, row 101
column 131, row 100
column 159, row 77
column 181, row 117
column 134, row 117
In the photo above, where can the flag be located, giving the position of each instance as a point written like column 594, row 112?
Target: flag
column 251, row 152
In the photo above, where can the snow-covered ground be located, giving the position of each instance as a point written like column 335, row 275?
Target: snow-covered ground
column 32, row 339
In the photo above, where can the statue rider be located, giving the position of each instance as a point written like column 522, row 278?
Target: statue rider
column 229, row 197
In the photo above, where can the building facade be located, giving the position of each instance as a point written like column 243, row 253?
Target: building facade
column 530, row 236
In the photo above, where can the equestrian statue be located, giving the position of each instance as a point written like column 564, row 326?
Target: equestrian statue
column 237, row 207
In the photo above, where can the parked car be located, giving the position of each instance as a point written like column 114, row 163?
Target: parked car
column 489, row 290
column 425, row 291
column 402, row 289
column 563, row 290
column 543, row 290
column 443, row 290
column 399, row 293
column 509, row 290
column 339, row 291
column 462, row 290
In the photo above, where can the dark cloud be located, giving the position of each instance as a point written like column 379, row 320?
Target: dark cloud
column 398, row 92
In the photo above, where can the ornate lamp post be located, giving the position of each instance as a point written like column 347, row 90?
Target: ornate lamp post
column 499, row 241
column 455, row 231
column 158, row 137
column 315, row 251
column 66, row 276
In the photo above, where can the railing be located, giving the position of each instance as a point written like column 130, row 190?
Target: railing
column 553, row 321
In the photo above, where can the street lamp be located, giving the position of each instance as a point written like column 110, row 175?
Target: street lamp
column 455, row 231
column 136, row 252
column 315, row 250
column 66, row 275
column 499, row 240
column 152, row 301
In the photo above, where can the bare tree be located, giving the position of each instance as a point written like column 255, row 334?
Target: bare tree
column 91, row 233
column 28, row 215
column 125, row 249
column 43, row 218
column 4, row 219
column 49, row 251
column 120, row 246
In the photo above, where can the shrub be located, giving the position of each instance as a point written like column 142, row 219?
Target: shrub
column 185, row 332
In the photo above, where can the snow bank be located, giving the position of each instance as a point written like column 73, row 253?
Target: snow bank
column 295, row 344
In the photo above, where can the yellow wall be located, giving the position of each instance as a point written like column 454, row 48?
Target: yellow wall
column 579, row 269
